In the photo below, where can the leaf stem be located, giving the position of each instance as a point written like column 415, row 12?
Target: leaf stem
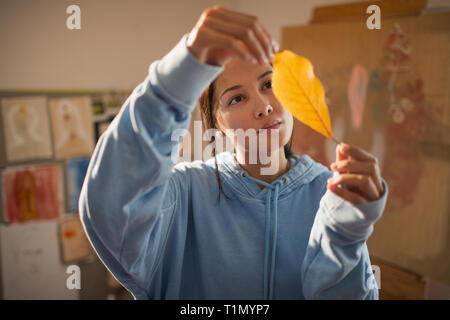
column 337, row 142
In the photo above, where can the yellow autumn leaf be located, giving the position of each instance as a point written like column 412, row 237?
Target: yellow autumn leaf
column 300, row 92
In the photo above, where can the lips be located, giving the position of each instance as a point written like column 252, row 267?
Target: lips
column 274, row 124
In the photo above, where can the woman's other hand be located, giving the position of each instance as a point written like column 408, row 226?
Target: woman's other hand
column 359, row 173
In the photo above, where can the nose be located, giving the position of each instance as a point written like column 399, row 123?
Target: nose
column 263, row 109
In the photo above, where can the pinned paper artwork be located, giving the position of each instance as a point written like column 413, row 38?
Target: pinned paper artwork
column 30, row 263
column 73, row 131
column 76, row 171
column 32, row 193
column 74, row 243
column 26, row 128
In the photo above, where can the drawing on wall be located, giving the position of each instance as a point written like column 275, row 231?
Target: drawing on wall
column 409, row 117
column 74, row 243
column 76, row 171
column 26, row 128
column 30, row 262
column 357, row 91
column 73, row 132
column 32, row 193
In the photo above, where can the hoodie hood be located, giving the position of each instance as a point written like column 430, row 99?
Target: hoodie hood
column 303, row 170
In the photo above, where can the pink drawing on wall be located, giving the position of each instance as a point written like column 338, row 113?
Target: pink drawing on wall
column 32, row 193
column 357, row 92
column 410, row 117
column 397, row 62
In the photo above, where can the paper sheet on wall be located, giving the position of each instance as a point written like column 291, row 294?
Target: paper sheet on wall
column 73, row 131
column 30, row 263
column 32, row 193
column 26, row 128
column 74, row 242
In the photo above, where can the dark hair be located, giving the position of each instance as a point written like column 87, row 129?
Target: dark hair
column 208, row 115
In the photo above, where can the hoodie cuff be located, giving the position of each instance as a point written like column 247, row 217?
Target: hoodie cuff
column 181, row 77
column 354, row 221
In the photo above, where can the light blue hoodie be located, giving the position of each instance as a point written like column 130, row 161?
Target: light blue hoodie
column 159, row 228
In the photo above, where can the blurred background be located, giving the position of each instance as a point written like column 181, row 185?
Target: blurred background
column 387, row 92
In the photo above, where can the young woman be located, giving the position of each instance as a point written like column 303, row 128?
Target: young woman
column 163, row 230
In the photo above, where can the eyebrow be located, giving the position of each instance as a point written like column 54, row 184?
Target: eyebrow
column 240, row 86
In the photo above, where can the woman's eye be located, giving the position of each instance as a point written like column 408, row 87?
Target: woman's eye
column 238, row 99
column 270, row 84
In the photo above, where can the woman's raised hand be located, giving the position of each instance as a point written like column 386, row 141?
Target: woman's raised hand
column 221, row 35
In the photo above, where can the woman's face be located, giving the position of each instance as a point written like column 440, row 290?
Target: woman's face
column 243, row 92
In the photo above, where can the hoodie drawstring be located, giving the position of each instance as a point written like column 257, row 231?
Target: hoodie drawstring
column 268, row 282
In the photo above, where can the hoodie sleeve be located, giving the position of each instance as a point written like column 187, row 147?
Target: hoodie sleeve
column 337, row 263
column 128, row 185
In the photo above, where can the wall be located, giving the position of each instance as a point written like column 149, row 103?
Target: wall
column 118, row 39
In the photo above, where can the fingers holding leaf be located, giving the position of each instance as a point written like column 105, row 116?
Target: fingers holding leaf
column 356, row 160
column 356, row 183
